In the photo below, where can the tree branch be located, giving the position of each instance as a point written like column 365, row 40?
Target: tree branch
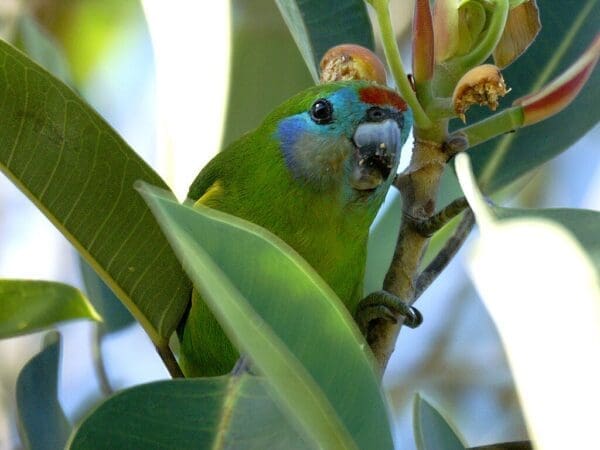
column 516, row 445
column 445, row 255
column 429, row 226
column 418, row 186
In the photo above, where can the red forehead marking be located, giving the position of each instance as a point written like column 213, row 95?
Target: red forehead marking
column 379, row 96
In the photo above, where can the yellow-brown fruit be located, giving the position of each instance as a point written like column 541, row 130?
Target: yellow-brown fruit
column 351, row 62
column 482, row 85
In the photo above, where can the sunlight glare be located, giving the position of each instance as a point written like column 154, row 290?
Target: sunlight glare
column 192, row 55
column 543, row 294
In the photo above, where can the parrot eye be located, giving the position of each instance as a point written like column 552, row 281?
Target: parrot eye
column 376, row 114
column 321, row 112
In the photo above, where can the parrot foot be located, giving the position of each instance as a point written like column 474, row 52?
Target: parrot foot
column 382, row 305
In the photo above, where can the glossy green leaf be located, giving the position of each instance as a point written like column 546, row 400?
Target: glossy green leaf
column 275, row 308
column 80, row 173
column 567, row 30
column 318, row 25
column 260, row 42
column 382, row 242
column 114, row 315
column 582, row 223
column 27, row 306
column 42, row 421
column 202, row 413
column 432, row 431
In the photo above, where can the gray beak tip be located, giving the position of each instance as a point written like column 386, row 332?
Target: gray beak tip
column 377, row 152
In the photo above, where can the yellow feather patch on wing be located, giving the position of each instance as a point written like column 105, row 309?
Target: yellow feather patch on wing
column 212, row 194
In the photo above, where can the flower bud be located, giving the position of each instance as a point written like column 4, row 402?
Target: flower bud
column 561, row 91
column 445, row 29
column 351, row 62
column 482, row 85
column 423, row 42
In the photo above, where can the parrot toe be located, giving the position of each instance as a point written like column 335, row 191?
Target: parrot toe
column 382, row 305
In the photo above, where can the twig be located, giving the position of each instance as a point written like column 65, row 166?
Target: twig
column 429, row 226
column 400, row 180
column 445, row 255
column 456, row 143
column 516, row 445
column 392, row 54
column 166, row 354
column 506, row 121
column 242, row 366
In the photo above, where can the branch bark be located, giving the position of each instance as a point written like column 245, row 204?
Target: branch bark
column 445, row 255
column 418, row 186
column 428, row 227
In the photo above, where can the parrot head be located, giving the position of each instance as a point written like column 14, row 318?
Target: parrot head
column 345, row 136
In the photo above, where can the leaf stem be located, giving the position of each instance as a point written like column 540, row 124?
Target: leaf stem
column 392, row 54
column 99, row 366
column 166, row 354
column 506, row 121
column 489, row 41
column 439, row 108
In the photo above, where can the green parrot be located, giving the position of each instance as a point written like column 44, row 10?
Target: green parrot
column 314, row 173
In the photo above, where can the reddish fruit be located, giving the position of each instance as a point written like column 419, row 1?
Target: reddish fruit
column 352, row 62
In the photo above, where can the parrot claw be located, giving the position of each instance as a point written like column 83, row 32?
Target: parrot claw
column 382, row 305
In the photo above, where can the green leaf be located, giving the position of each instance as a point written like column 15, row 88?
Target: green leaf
column 567, row 30
column 42, row 421
column 114, row 315
column 318, row 25
column 275, row 308
column 382, row 242
column 260, row 42
column 80, row 174
column 202, row 413
column 432, row 431
column 584, row 224
column 27, row 306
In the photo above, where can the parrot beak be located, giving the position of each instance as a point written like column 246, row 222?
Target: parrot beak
column 378, row 147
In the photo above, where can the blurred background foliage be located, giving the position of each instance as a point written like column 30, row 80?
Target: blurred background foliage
column 455, row 359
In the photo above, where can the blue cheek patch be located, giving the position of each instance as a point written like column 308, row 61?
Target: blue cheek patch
column 289, row 132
